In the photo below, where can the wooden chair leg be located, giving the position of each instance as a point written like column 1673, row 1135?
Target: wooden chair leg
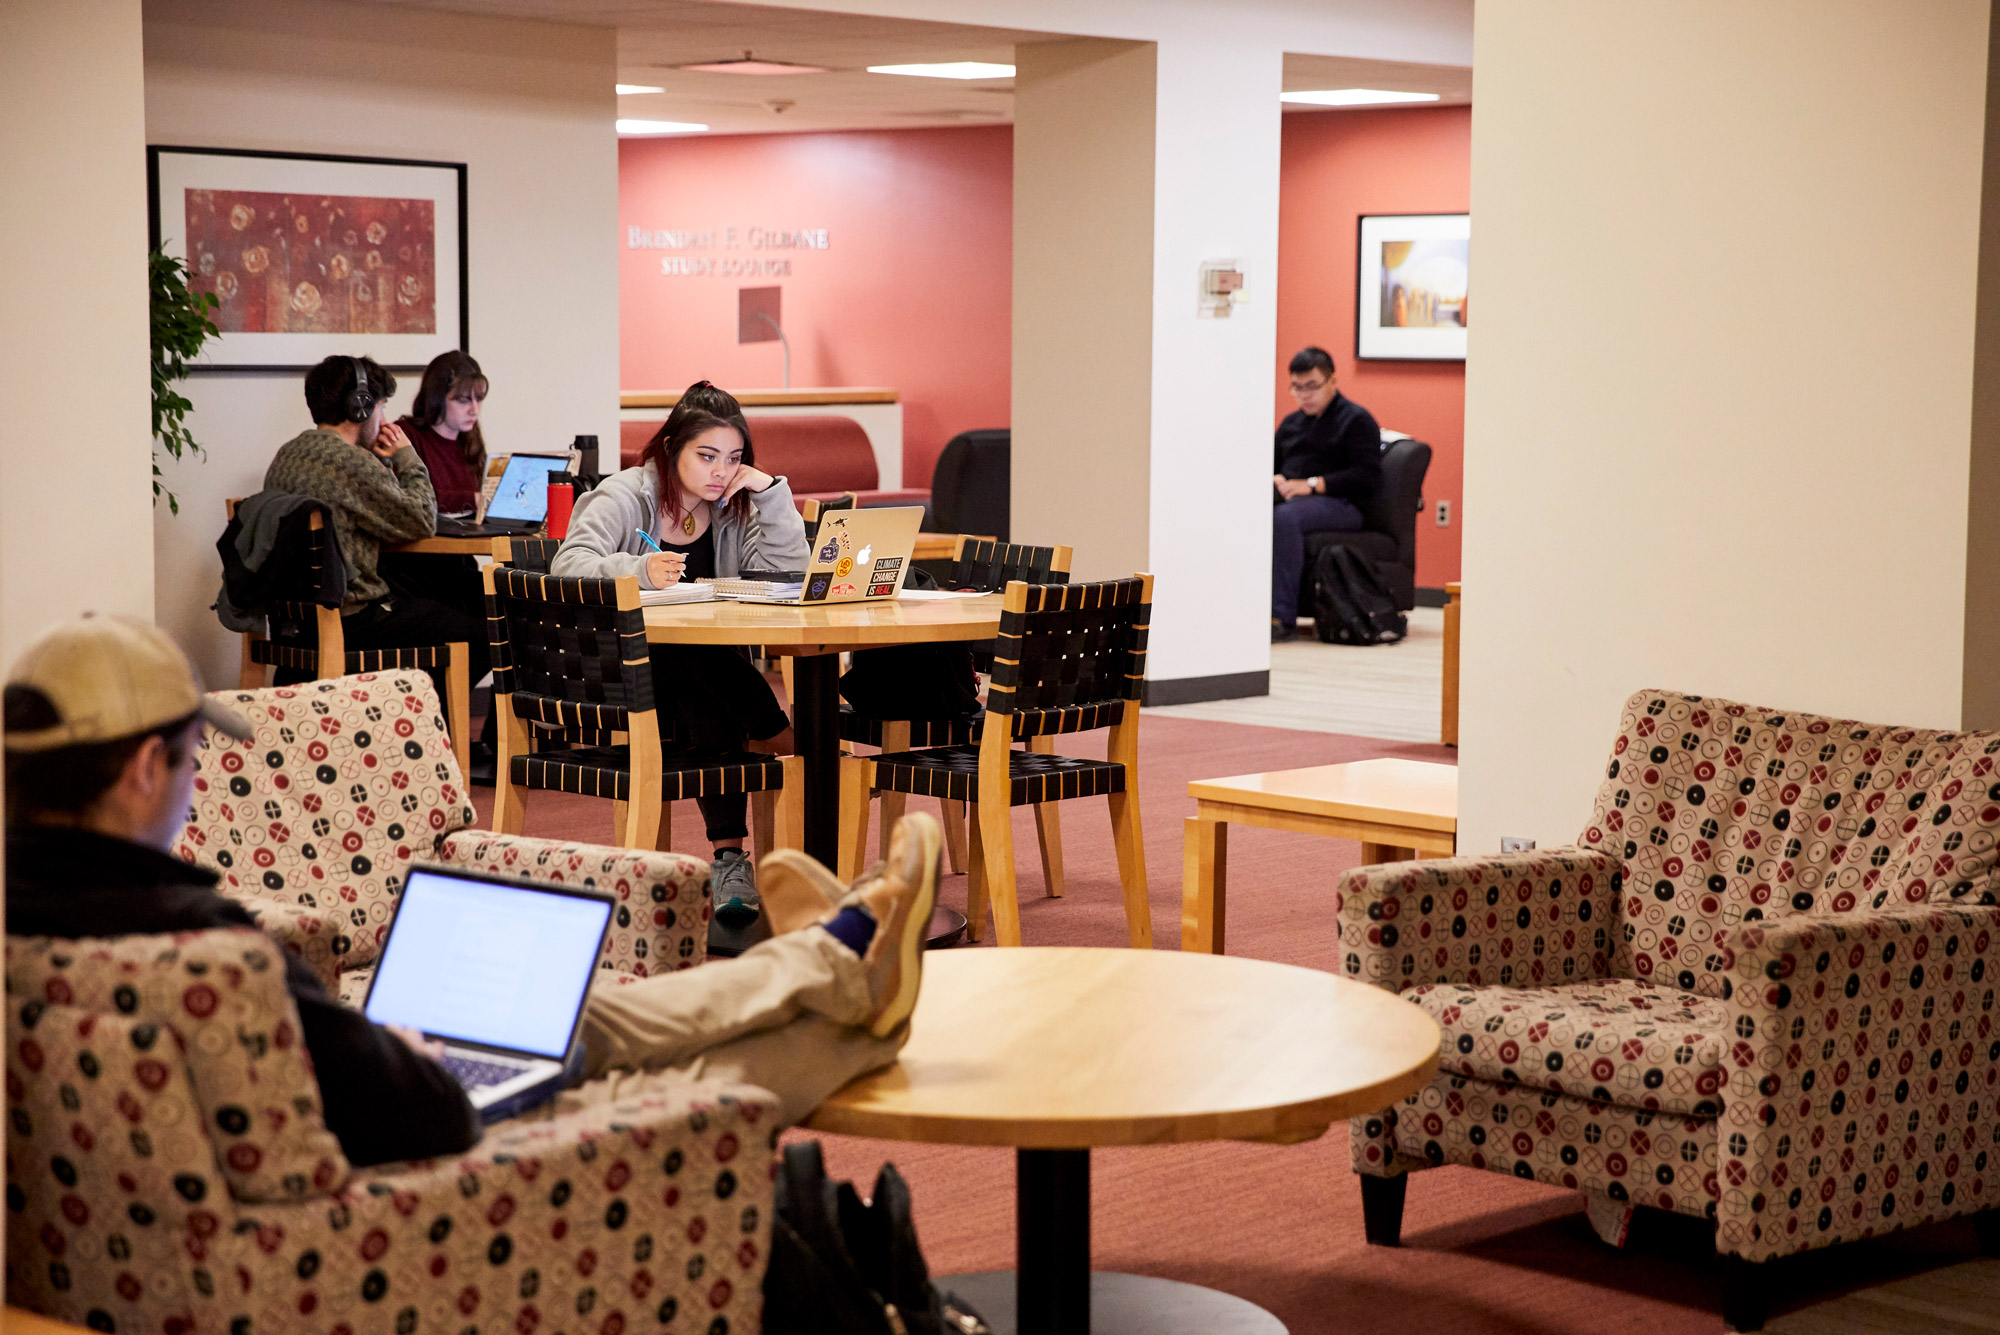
column 459, row 709
column 642, row 823
column 951, row 815
column 856, row 773
column 664, row 840
column 785, row 671
column 621, row 816
column 1048, row 829
column 763, row 815
column 250, row 676
column 996, row 839
column 975, row 882
column 791, row 831
column 507, row 809
column 895, row 738
column 1132, row 868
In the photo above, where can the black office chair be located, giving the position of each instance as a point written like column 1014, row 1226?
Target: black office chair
column 1388, row 532
column 970, row 491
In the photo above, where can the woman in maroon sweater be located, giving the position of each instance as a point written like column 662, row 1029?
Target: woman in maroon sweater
column 443, row 424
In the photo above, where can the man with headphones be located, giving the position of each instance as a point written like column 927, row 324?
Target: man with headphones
column 363, row 469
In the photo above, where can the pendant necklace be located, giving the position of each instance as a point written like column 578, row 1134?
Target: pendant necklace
column 687, row 523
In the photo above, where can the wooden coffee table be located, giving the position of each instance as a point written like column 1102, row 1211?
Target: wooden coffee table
column 1396, row 809
column 1057, row 1050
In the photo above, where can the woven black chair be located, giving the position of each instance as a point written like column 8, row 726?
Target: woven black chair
column 573, row 688
column 307, row 636
column 1069, row 658
column 530, row 554
column 811, row 511
column 976, row 563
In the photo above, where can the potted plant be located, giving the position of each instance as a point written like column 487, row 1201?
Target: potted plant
column 180, row 327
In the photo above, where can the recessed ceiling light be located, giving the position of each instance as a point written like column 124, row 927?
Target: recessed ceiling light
column 749, row 64
column 953, row 69
column 1354, row 97
column 658, row 127
column 625, row 88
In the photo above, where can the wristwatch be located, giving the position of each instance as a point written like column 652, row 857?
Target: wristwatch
column 1319, row 486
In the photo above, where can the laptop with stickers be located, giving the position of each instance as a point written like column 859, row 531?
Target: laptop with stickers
column 857, row 556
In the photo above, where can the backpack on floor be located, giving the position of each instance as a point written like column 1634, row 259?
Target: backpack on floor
column 840, row 1266
column 1351, row 605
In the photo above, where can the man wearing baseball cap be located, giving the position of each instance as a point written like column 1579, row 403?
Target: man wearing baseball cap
column 103, row 717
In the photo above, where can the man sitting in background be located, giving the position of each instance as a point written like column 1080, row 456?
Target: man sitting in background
column 363, row 468
column 1329, row 463
column 103, row 719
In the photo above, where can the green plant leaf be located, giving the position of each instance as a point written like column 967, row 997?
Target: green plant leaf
column 180, row 326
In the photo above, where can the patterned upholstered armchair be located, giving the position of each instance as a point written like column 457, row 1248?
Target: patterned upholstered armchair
column 314, row 822
column 168, row 1170
column 1759, row 990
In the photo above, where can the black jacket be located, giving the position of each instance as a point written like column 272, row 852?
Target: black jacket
column 267, row 552
column 1342, row 445
column 382, row 1101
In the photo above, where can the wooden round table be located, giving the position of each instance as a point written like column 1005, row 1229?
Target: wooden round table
column 817, row 634
column 1057, row 1050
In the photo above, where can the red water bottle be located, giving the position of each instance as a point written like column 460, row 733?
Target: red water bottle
column 562, row 498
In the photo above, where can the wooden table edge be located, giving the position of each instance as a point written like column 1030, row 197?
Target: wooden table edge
column 1313, row 1115
column 1399, row 833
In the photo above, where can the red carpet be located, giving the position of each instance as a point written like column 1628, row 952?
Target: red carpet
column 1281, row 1225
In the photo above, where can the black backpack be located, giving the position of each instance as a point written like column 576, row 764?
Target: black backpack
column 842, row 1267
column 1350, row 603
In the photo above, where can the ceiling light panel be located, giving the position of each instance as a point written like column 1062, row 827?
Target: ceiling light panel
column 638, row 127
column 626, row 89
column 1354, row 97
column 955, row 69
column 749, row 66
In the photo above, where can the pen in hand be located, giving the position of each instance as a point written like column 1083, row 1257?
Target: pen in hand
column 663, row 567
column 647, row 538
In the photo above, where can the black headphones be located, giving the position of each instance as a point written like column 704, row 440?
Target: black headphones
column 361, row 399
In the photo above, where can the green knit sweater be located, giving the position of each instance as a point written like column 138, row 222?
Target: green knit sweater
column 374, row 501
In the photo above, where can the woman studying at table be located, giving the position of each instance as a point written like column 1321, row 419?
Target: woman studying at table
column 710, row 512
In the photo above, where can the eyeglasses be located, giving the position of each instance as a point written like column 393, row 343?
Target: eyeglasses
column 1301, row 388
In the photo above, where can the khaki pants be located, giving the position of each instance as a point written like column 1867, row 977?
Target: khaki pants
column 788, row 1015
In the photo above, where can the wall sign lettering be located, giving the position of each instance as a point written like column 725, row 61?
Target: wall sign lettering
column 726, row 238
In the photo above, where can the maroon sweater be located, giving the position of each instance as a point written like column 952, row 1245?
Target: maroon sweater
column 452, row 478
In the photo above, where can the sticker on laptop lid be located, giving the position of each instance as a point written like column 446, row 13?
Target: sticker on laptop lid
column 831, row 550
column 842, row 590
column 888, row 566
column 816, row 588
column 845, row 564
column 881, row 590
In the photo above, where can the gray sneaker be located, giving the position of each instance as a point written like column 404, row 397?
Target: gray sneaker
column 732, row 888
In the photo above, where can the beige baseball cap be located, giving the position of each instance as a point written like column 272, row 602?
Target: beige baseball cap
column 111, row 677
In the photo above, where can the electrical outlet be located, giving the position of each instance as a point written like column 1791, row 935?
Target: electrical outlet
column 1444, row 514
column 1514, row 843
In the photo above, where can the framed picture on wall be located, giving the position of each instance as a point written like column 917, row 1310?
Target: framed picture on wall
column 1411, row 290
column 312, row 255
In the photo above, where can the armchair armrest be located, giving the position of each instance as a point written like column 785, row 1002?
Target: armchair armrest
column 1530, row 919
column 1862, row 1070
column 661, row 923
column 657, row 1207
column 308, row 933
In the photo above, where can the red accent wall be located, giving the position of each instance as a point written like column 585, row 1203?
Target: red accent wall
column 1338, row 165
column 914, row 291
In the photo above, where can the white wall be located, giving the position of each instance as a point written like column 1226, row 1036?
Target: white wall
column 75, row 487
column 527, row 106
column 1719, row 398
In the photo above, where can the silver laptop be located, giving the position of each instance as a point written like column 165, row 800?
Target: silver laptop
column 857, row 556
column 496, row 968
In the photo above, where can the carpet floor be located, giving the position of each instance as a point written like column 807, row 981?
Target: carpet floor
column 1281, row 1225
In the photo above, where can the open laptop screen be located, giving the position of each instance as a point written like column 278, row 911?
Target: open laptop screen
column 484, row 962
column 523, row 492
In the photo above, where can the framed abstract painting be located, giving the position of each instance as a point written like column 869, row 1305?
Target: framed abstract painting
column 1411, row 291
column 312, row 255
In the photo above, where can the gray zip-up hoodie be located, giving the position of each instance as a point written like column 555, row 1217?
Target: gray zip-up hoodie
column 603, row 541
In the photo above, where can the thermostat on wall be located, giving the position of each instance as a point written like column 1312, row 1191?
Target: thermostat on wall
column 1221, row 288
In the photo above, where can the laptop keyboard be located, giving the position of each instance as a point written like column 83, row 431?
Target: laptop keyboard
column 474, row 1074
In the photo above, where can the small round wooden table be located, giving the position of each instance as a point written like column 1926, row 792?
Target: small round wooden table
column 1058, row 1050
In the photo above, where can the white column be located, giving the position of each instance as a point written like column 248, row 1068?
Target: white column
column 1141, row 430
column 76, row 517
